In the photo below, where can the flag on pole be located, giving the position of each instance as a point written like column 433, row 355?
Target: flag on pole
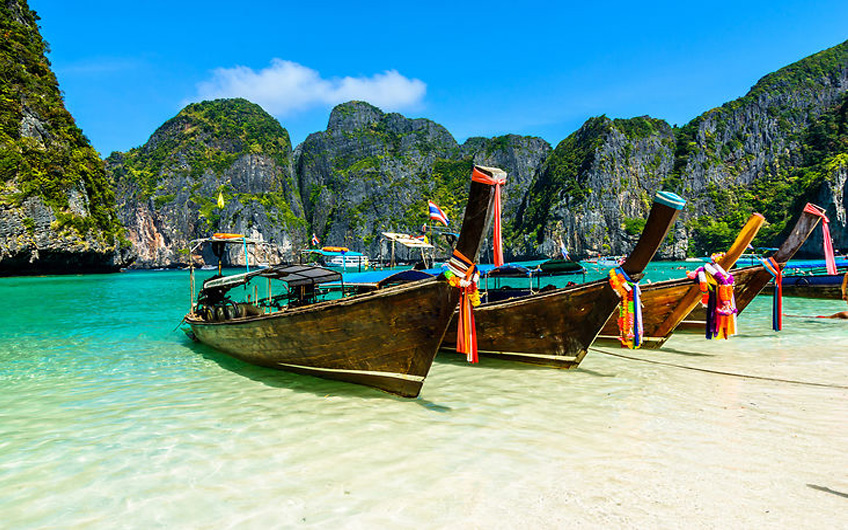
column 563, row 250
column 436, row 213
column 315, row 241
column 220, row 199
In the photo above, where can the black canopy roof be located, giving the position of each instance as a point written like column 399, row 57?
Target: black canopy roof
column 294, row 275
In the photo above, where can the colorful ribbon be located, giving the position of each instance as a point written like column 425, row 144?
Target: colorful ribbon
column 630, row 329
column 717, row 294
column 777, row 301
column 462, row 274
column 827, row 243
column 479, row 176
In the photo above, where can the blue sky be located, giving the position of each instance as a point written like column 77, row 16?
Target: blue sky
column 478, row 68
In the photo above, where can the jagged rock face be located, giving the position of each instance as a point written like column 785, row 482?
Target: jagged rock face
column 170, row 186
column 595, row 190
column 758, row 153
column 371, row 172
column 745, row 139
column 32, row 242
column 57, row 211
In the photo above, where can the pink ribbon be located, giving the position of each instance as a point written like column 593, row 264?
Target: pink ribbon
column 829, row 260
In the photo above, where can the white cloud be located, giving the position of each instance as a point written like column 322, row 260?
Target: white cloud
column 286, row 87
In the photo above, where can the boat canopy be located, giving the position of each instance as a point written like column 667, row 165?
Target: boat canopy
column 294, row 275
column 508, row 270
column 406, row 240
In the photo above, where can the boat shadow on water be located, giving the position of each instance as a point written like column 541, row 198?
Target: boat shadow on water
column 305, row 384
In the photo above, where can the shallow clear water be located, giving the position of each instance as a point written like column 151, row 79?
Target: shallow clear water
column 111, row 418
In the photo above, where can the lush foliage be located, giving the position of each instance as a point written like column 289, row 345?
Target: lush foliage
column 639, row 127
column 780, row 195
column 207, row 136
column 49, row 156
column 563, row 176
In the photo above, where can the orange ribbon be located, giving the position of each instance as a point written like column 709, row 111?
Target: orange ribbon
column 466, row 333
column 479, row 176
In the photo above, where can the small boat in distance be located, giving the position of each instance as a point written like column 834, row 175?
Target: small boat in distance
column 560, row 265
column 338, row 257
column 385, row 339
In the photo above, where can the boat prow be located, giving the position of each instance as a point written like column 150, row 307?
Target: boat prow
column 667, row 303
column 555, row 328
column 385, row 339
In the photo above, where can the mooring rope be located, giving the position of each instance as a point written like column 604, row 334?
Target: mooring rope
column 720, row 372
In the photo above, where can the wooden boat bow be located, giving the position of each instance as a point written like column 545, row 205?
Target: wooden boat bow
column 385, row 339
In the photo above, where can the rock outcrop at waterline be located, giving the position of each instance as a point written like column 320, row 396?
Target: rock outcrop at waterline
column 57, row 208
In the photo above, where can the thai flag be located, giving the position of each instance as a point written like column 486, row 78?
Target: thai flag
column 315, row 241
column 563, row 250
column 436, row 213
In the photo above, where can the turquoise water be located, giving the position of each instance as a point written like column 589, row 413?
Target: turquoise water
column 111, row 418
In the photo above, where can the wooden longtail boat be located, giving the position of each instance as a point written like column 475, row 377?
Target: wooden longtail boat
column 821, row 286
column 666, row 304
column 749, row 281
column 555, row 328
column 386, row 339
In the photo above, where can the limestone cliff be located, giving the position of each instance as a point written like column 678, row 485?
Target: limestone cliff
column 594, row 191
column 57, row 208
column 767, row 151
column 371, row 172
column 169, row 187
column 784, row 143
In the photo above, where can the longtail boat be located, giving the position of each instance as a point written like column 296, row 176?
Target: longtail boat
column 667, row 303
column 385, row 339
column 555, row 328
column 822, row 286
column 749, row 281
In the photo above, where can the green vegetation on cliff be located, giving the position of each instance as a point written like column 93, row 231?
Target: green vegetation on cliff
column 562, row 176
column 42, row 151
column 207, row 136
column 781, row 194
column 818, row 71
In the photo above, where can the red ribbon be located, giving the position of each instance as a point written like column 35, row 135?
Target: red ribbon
column 479, row 176
column 829, row 260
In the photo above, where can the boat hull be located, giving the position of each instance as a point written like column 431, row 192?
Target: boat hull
column 548, row 329
column 386, row 340
column 824, row 286
column 555, row 328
